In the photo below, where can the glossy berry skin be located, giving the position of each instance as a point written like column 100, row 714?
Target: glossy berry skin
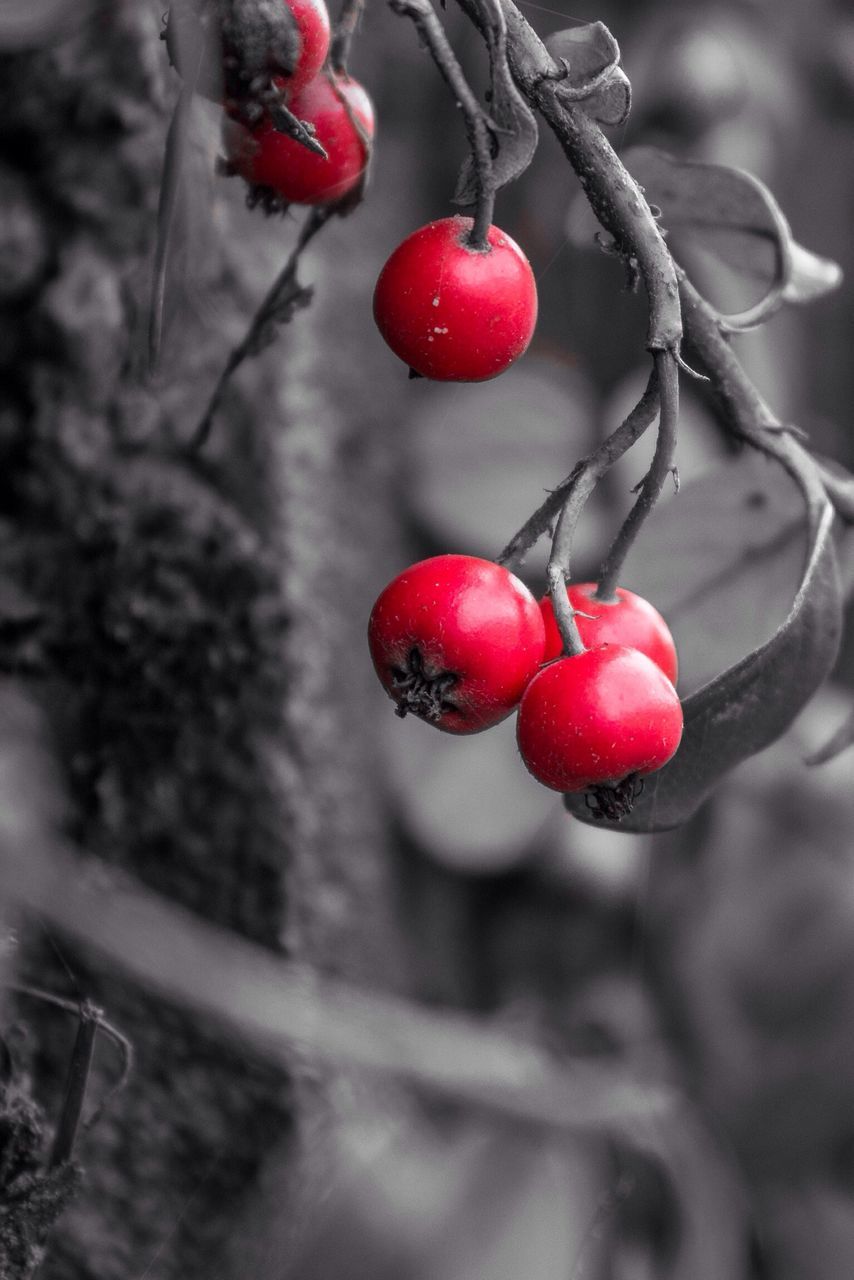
column 455, row 640
column 453, row 313
column 629, row 620
column 598, row 717
column 267, row 158
column 312, row 19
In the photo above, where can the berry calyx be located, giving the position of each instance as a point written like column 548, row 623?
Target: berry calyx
column 454, row 313
column 342, row 114
column 628, row 620
column 599, row 721
column 455, row 640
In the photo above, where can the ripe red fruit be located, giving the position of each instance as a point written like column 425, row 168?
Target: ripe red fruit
column 455, row 639
column 605, row 716
column 312, row 19
column 267, row 158
column 454, row 313
column 629, row 620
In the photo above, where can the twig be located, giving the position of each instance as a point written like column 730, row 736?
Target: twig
column 173, row 162
column 583, row 478
column 478, row 125
column 75, row 1089
column 85, row 1010
column 284, row 297
column 653, row 482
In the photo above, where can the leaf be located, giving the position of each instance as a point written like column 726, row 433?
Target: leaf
column 811, row 276
column 732, row 215
column 752, row 702
column 516, row 133
column 193, row 39
column 840, row 741
column 594, row 77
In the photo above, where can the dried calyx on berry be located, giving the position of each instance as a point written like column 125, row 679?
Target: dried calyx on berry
column 454, row 640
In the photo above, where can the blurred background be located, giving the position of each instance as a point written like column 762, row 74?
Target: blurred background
column 189, row 702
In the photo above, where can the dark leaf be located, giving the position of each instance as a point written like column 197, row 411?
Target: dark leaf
column 516, row 135
column 752, row 702
column 591, row 56
column 731, row 215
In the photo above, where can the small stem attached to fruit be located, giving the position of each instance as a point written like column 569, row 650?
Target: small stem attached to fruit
column 477, row 122
column 342, row 37
column 585, row 474
column 667, row 371
column 584, row 484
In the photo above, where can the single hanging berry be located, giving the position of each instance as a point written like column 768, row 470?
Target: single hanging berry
column 452, row 312
column 455, row 640
column 599, row 721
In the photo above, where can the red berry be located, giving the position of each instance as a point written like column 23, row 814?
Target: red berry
column 454, row 313
column 312, row 19
column 629, row 620
column 267, row 158
column 599, row 717
column 455, row 639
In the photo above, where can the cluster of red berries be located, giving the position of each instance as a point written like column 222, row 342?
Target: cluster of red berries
column 461, row 642
column 337, row 108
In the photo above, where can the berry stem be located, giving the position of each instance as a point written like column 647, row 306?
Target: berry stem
column 667, row 371
column 342, row 36
column 584, row 476
column 585, row 482
column 477, row 122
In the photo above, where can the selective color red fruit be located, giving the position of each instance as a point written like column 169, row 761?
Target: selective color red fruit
column 312, row 19
column 267, row 158
column 454, row 640
column 629, row 620
column 597, row 718
column 454, row 313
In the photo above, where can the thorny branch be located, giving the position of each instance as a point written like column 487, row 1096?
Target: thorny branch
column 284, row 298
